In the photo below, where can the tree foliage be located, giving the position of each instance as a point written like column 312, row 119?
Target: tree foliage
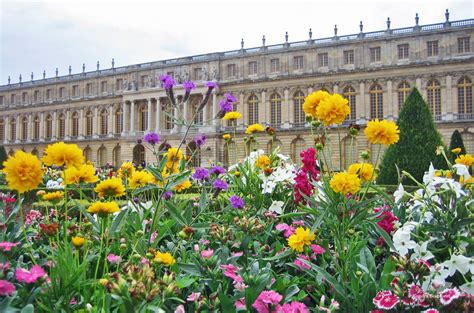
column 456, row 142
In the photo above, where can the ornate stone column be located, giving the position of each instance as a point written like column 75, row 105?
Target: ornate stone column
column 150, row 114
column 285, row 110
column 390, row 105
column 7, row 129
column 132, row 117
column 81, row 123
column 41, row 134
column 29, row 136
column 110, row 121
column 262, row 112
column 67, row 124
column 95, row 122
column 55, row 122
column 125, row 118
column 158, row 116
column 205, row 111
column 215, row 108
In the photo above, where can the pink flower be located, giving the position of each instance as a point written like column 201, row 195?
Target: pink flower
column 6, row 288
column 144, row 261
column 73, row 301
column 431, row 311
column 229, row 271
column 240, row 304
column 387, row 222
column 204, row 242
column 317, row 249
column 32, row 216
column 286, row 229
column 25, row 276
column 7, row 246
column 240, row 286
column 153, row 236
column 448, row 295
column 416, row 293
column 293, row 307
column 265, row 300
column 180, row 309
column 385, row 300
column 298, row 223
column 302, row 187
column 300, row 264
column 4, row 266
column 237, row 254
column 113, row 259
column 193, row 296
column 207, row 254
column 308, row 157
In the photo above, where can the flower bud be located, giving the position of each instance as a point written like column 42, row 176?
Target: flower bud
column 365, row 155
column 358, row 273
column 139, row 233
column 319, row 146
column 309, row 118
column 316, row 123
column 123, row 246
column 103, row 281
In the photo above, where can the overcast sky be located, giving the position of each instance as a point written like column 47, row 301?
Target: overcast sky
column 42, row 35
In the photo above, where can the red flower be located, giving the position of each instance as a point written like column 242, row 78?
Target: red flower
column 308, row 157
column 385, row 300
column 302, row 187
column 448, row 295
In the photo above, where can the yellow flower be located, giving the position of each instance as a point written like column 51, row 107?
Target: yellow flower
column 164, row 258
column 333, row 110
column 262, row 161
column 465, row 159
column 63, row 154
column 237, row 174
column 302, row 237
column 23, row 171
column 103, row 281
column 126, row 170
column 183, row 186
column 173, row 155
column 456, row 150
column 53, row 196
column 365, row 171
column 382, row 132
column 233, row 115
column 345, row 183
column 111, row 187
column 103, row 208
column 140, row 179
column 78, row 241
column 226, row 136
column 312, row 101
column 254, row 128
column 82, row 174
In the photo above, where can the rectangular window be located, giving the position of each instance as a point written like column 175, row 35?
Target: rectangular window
column 23, row 97
column 197, row 74
column 298, row 62
column 103, row 86
column 88, row 89
column 464, row 45
column 75, row 91
column 323, row 59
column 62, row 92
column 36, row 95
column 231, row 70
column 349, row 57
column 143, row 80
column 1, row 100
column 403, row 51
column 375, row 54
column 432, row 48
column 13, row 99
column 49, row 94
column 253, row 69
column 119, row 84
column 274, row 65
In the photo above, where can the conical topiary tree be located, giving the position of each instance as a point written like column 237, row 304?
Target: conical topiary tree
column 456, row 142
column 417, row 146
column 3, row 156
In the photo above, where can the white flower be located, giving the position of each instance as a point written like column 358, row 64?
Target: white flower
column 428, row 177
column 276, row 207
column 283, row 157
column 268, row 186
column 422, row 252
column 459, row 263
column 439, row 275
column 52, row 184
column 468, row 287
column 399, row 193
column 462, row 170
column 401, row 239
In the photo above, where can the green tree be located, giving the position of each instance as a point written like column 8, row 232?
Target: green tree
column 417, row 146
column 3, row 156
column 456, row 142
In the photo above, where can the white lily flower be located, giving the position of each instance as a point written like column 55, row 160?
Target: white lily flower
column 468, row 287
column 401, row 239
column 276, row 207
column 422, row 252
column 428, row 177
column 439, row 275
column 462, row 170
column 459, row 263
column 399, row 193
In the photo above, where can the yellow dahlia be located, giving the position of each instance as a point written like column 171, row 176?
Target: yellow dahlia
column 254, row 128
column 312, row 101
column 302, row 237
column 262, row 161
column 365, row 171
column 23, row 171
column 233, row 115
column 226, row 136
column 333, row 110
column 78, row 241
column 164, row 258
column 174, row 156
column 382, row 132
column 61, row 154
column 140, row 179
column 103, row 208
column 126, row 170
column 465, row 159
column 183, row 186
column 82, row 174
column 53, row 196
column 111, row 187
column 345, row 183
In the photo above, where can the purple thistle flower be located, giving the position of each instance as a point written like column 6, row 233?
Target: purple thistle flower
column 220, row 185
column 211, row 85
column 226, row 106
column 217, row 170
column 201, row 173
column 230, row 97
column 167, row 194
column 237, row 202
column 152, row 138
column 200, row 140
column 189, row 85
column 167, row 81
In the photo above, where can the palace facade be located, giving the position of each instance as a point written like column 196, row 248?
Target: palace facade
column 107, row 111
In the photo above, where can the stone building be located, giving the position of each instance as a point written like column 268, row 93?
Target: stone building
column 107, row 111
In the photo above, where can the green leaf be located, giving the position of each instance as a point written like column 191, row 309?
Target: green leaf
column 190, row 268
column 367, row 260
column 227, row 305
column 174, row 213
column 384, row 235
column 387, row 277
column 184, row 282
column 28, row 309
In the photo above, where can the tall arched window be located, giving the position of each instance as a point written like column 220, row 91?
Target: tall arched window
column 2, row 130
column 297, row 145
column 119, row 121
column 433, row 89
column 298, row 113
column 403, row 92
column 464, row 97
column 61, row 125
column 275, row 109
column 103, row 122
column 350, row 94
column 36, row 127
column 143, row 117
column 273, row 144
column 24, row 128
column 102, row 156
column 75, row 124
column 138, row 154
column 198, row 116
column 168, row 110
column 252, row 103
column 49, row 127
column 88, row 153
column 468, row 139
column 116, row 155
column 194, row 153
column 376, row 101
column 89, row 123
column 35, row 152
column 13, row 129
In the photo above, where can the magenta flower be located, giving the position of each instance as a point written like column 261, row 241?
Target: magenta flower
column 416, row 293
column 194, row 296
column 240, row 303
column 308, row 157
column 189, row 85
column 167, row 81
column 292, row 307
column 220, row 185
column 448, row 295
column 237, row 254
column 237, row 202
column 4, row 266
column 298, row 262
column 385, row 300
column 230, row 97
column 113, row 259
column 266, row 301
column 200, row 140
column 6, row 288
column 286, row 229
column 200, row 173
column 7, row 246
column 317, row 249
column 31, row 276
column 207, row 254
column 32, row 216
column 152, row 138
column 211, row 85
column 229, row 271
column 217, row 170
